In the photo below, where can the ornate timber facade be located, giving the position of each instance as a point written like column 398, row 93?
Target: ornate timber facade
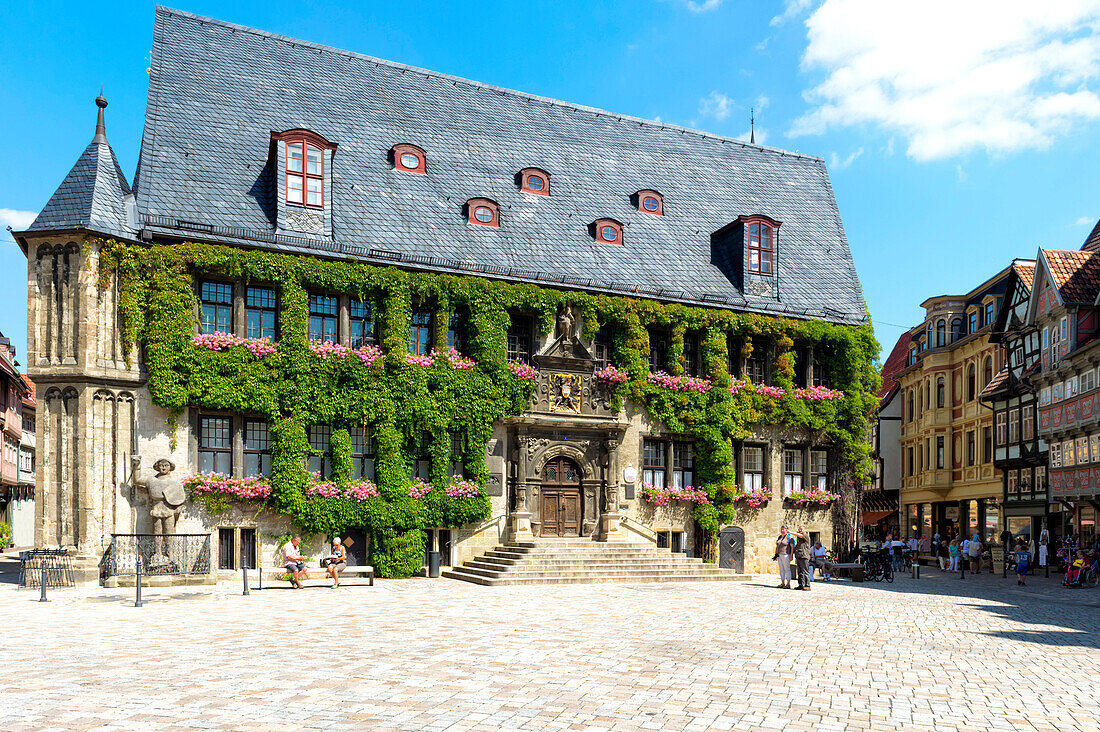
column 370, row 162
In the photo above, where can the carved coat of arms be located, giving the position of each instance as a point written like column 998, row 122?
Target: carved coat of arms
column 565, row 393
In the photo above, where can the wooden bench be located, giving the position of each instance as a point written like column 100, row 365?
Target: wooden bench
column 855, row 568
column 277, row 574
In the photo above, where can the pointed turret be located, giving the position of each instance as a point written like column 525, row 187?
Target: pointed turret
column 95, row 194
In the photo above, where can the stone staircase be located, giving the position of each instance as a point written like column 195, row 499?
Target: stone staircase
column 584, row 561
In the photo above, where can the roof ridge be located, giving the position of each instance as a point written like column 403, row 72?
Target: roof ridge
column 161, row 9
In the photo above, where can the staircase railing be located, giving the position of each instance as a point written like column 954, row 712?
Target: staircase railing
column 639, row 528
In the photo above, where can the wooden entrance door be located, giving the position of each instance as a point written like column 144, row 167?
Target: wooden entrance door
column 561, row 498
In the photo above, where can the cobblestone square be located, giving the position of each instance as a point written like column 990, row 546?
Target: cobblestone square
column 938, row 653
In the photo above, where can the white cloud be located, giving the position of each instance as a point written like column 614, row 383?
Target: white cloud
column 716, row 105
column 762, row 102
column 791, row 10
column 961, row 174
column 951, row 77
column 838, row 163
column 702, row 7
column 1084, row 220
column 18, row 220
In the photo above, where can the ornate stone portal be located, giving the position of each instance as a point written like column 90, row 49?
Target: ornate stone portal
column 564, row 459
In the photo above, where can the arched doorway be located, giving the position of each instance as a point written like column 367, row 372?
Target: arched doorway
column 561, row 498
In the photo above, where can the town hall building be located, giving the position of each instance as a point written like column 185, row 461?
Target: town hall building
column 344, row 296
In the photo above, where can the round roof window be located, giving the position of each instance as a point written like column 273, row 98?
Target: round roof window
column 410, row 161
column 484, row 214
column 609, row 233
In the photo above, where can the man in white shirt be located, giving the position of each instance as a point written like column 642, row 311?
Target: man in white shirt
column 817, row 555
column 294, row 562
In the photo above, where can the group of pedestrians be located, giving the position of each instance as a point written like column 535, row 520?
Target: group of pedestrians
column 798, row 546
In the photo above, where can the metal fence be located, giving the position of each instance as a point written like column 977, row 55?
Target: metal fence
column 54, row 566
column 160, row 555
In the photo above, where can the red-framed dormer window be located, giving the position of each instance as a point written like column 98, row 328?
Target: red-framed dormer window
column 651, row 202
column 761, row 234
column 409, row 158
column 304, row 166
column 483, row 212
column 608, row 231
column 534, row 180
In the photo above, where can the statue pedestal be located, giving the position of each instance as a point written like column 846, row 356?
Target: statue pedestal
column 611, row 528
column 521, row 526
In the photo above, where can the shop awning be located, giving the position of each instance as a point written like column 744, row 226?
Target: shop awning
column 870, row 518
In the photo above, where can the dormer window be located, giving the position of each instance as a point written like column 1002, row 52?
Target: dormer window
column 534, row 180
column 760, row 236
column 608, row 231
column 650, row 202
column 409, row 158
column 304, row 154
column 483, row 212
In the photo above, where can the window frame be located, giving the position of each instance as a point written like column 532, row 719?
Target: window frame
column 599, row 227
column 754, row 477
column 793, row 475
column 819, row 479
column 654, row 460
column 216, row 451
column 362, row 452
column 325, row 317
column 648, row 193
column 693, row 356
column 259, row 452
column 521, row 332
column 324, row 459
column 658, row 357
column 401, row 149
column 475, row 205
column 602, row 346
column 761, row 222
column 218, row 304
column 262, row 309
column 683, row 464
column 421, row 327
column 358, row 335
column 525, row 176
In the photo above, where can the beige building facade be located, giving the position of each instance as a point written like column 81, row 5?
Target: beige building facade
column 949, row 484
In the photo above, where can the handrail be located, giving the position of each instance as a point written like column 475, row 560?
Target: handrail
column 640, row 528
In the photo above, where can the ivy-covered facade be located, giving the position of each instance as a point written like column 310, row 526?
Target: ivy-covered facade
column 408, row 384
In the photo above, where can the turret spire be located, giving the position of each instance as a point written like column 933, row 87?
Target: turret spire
column 100, row 128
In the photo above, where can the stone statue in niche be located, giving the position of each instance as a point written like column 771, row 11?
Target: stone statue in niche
column 166, row 495
column 565, row 324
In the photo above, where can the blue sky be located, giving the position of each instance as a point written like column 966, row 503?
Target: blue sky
column 952, row 147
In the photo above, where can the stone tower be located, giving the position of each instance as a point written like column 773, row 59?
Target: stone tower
column 88, row 387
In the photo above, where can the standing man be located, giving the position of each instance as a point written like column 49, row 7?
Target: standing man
column 802, row 557
column 975, row 551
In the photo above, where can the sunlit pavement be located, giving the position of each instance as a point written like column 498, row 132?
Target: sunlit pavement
column 935, row 653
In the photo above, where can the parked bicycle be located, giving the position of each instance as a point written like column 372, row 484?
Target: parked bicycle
column 879, row 567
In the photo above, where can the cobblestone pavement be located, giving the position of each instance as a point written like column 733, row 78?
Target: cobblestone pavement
column 937, row 653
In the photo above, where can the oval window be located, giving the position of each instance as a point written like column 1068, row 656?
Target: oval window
column 609, row 234
column 484, row 214
column 535, row 183
column 410, row 161
column 649, row 203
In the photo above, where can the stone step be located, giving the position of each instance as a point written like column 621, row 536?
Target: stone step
column 571, row 562
column 547, row 569
column 596, row 578
column 586, row 552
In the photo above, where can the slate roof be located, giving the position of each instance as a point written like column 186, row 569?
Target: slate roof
column 92, row 196
column 217, row 91
column 1092, row 242
column 1075, row 273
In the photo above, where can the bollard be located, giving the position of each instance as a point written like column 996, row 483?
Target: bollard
column 42, row 578
column 433, row 564
column 962, row 567
column 244, row 573
column 916, row 571
column 137, row 584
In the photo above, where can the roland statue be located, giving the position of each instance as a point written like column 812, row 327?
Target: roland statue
column 166, row 495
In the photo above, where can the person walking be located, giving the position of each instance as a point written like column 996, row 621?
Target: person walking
column 1023, row 561
column 784, row 549
column 802, row 557
column 974, row 551
column 943, row 558
column 1044, row 547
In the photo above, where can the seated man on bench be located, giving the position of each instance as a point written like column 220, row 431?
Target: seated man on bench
column 294, row 562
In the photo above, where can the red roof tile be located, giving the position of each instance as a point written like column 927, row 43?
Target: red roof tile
column 1076, row 274
column 995, row 384
column 29, row 400
column 894, row 363
column 1026, row 272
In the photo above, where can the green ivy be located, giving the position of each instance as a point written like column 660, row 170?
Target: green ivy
column 294, row 389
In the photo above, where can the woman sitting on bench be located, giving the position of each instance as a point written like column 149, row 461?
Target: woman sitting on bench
column 337, row 561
